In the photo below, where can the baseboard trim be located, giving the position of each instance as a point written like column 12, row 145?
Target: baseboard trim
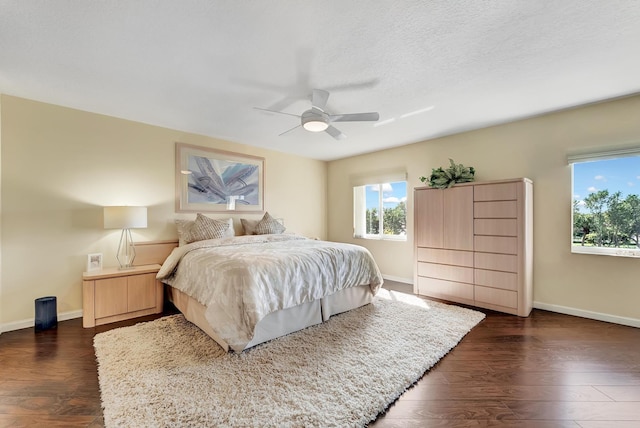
column 631, row 322
column 398, row 279
column 19, row 325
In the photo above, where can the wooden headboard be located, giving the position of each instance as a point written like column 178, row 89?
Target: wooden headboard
column 152, row 252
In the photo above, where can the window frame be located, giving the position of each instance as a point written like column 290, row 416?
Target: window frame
column 361, row 211
column 584, row 157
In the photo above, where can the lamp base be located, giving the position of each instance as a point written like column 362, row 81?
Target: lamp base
column 126, row 250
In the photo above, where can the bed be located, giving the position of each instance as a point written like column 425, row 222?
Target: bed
column 246, row 290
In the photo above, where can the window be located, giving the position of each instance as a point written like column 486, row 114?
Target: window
column 372, row 200
column 606, row 204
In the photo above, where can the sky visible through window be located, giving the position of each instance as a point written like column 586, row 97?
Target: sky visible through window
column 392, row 194
column 621, row 174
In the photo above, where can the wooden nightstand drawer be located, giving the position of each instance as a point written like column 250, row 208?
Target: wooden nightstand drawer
column 110, row 297
column 141, row 292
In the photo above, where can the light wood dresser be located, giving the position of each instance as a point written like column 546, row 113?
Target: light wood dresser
column 113, row 294
column 474, row 244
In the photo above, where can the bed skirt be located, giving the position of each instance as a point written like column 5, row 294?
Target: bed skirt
column 278, row 323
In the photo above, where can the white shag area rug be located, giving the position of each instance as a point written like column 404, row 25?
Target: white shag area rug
column 342, row 373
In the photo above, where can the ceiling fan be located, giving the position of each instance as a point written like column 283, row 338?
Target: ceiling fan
column 316, row 119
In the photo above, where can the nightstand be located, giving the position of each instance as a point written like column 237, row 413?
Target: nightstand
column 113, row 294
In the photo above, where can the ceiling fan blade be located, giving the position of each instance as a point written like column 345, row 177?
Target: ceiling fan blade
column 355, row 117
column 319, row 99
column 274, row 111
column 289, row 130
column 363, row 84
column 283, row 103
column 335, row 133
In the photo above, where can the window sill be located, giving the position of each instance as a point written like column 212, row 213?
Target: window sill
column 383, row 238
column 601, row 251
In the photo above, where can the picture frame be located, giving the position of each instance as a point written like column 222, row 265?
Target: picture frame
column 211, row 180
column 94, row 262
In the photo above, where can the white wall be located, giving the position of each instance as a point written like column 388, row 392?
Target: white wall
column 60, row 166
column 535, row 148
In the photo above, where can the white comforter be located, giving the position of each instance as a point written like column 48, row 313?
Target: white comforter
column 242, row 279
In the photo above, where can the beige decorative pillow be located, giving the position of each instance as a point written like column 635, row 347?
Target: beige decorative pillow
column 203, row 228
column 184, row 226
column 249, row 226
column 268, row 225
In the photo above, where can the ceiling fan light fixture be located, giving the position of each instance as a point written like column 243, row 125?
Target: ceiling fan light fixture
column 315, row 125
column 315, row 120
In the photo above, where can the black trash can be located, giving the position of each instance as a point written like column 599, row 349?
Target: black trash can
column 46, row 313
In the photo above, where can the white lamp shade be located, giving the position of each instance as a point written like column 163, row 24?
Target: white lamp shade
column 125, row 217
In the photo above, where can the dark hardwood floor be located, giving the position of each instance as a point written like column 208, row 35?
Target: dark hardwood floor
column 547, row 370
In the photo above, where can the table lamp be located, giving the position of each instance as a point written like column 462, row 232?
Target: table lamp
column 125, row 218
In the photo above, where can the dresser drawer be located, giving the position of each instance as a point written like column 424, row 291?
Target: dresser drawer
column 503, row 209
column 495, row 192
column 445, row 257
column 448, row 290
column 495, row 279
column 495, row 226
column 450, row 273
column 496, row 244
column 495, row 296
column 502, row 262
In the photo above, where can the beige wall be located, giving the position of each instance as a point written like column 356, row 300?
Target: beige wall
column 61, row 166
column 535, row 148
column 0, row 214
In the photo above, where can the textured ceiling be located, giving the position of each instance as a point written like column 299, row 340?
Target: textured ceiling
column 430, row 68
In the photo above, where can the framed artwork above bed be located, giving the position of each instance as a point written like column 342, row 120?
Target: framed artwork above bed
column 209, row 180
